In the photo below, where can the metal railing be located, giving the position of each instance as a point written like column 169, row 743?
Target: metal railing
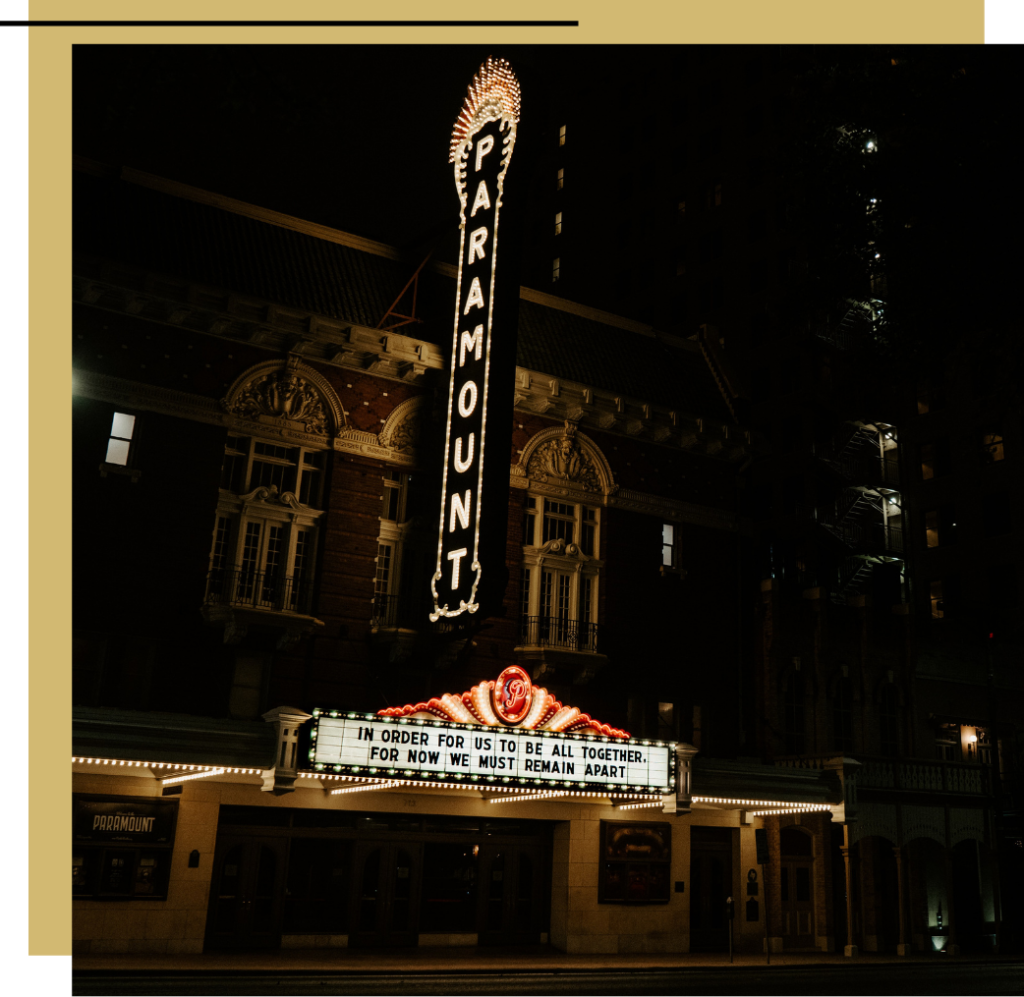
column 864, row 470
column 555, row 631
column 867, row 536
column 908, row 775
column 270, row 590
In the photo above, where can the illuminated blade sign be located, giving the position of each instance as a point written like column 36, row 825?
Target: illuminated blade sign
column 364, row 744
column 481, row 149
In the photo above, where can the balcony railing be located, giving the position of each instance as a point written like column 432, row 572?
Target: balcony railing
column 909, row 775
column 554, row 631
column 269, row 590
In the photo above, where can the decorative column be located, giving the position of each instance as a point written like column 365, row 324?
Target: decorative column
column 684, row 777
column 850, row 950
column 280, row 777
column 902, row 948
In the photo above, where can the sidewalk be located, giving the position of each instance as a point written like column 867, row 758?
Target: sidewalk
column 531, row 958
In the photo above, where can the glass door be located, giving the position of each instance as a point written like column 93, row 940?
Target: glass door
column 512, row 895
column 386, row 896
column 245, row 893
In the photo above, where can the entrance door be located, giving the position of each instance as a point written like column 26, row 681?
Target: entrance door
column 245, row 893
column 710, row 884
column 795, row 888
column 511, row 895
column 386, row 896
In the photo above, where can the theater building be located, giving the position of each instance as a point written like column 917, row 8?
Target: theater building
column 283, row 737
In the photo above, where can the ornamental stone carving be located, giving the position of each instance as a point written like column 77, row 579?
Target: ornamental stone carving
column 286, row 392
column 562, row 459
column 559, row 546
column 404, row 427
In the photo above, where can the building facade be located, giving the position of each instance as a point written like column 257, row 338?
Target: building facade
column 258, row 450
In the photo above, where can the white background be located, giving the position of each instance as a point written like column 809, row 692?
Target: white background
column 1004, row 23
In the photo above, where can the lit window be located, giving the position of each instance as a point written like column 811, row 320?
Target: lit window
column 931, row 528
column 935, row 597
column 264, row 538
column 561, row 178
column 668, row 556
column 559, row 521
column 559, row 595
column 558, row 223
column 927, row 461
column 120, row 443
column 561, row 135
column 556, row 268
column 991, row 446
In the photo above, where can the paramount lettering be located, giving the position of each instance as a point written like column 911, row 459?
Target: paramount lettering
column 481, row 150
column 122, row 822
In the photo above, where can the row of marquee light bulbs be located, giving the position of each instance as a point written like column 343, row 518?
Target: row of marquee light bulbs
column 630, row 801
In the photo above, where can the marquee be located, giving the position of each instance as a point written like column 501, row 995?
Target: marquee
column 504, row 732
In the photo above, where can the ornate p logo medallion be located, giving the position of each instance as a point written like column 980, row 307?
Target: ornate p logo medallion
column 512, row 695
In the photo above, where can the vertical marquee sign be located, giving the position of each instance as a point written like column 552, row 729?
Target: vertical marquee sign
column 481, row 149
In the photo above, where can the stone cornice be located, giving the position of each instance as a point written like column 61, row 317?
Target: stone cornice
column 595, row 409
column 236, row 318
column 135, row 396
column 239, row 318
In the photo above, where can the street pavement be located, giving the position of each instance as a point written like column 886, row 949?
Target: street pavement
column 437, row 973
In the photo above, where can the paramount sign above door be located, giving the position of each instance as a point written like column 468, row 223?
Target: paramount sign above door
column 482, row 143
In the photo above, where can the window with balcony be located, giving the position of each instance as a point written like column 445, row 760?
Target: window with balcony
column 265, row 529
column 561, row 575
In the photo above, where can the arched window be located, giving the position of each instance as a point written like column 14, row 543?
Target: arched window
column 889, row 721
column 842, row 715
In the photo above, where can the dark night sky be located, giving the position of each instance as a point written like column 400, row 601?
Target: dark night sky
column 354, row 137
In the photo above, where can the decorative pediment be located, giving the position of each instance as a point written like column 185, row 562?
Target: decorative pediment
column 269, row 495
column 288, row 394
column 404, row 427
column 560, row 546
column 565, row 457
